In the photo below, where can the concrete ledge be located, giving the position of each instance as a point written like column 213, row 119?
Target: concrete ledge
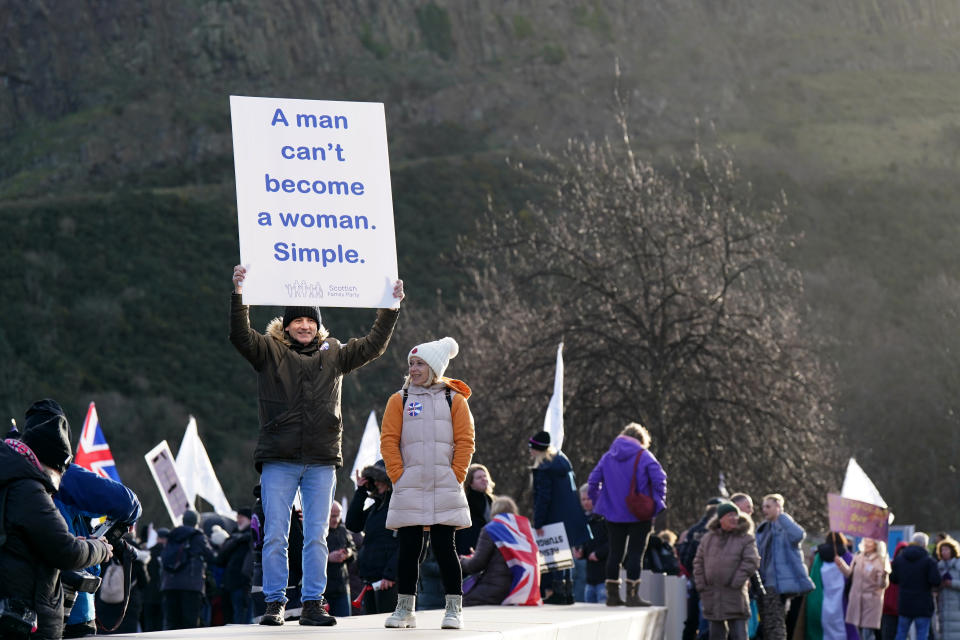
column 548, row 622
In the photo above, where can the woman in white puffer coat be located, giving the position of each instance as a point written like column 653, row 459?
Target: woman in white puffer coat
column 948, row 605
column 427, row 441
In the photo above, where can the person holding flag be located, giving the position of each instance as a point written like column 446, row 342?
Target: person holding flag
column 300, row 371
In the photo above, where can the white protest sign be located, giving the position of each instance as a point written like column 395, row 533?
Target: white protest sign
column 553, row 548
column 164, row 472
column 314, row 203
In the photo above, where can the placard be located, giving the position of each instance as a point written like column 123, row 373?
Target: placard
column 859, row 519
column 164, row 472
column 314, row 203
column 553, row 548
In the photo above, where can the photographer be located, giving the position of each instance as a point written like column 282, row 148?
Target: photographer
column 377, row 561
column 84, row 495
column 35, row 544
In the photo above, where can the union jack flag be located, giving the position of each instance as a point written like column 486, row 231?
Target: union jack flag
column 514, row 538
column 93, row 452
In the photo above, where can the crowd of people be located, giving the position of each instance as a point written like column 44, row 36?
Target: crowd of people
column 425, row 528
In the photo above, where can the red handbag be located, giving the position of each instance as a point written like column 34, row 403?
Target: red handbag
column 639, row 504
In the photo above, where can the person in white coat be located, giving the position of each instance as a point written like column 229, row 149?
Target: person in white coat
column 427, row 442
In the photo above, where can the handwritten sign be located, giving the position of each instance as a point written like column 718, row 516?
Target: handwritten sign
column 164, row 472
column 314, row 203
column 859, row 519
column 554, row 548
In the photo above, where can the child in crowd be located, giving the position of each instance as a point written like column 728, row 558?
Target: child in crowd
column 594, row 550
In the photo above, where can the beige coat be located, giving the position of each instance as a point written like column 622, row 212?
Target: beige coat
column 427, row 445
column 722, row 569
column 871, row 576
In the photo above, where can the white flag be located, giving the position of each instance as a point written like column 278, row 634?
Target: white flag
column 858, row 486
column 196, row 472
column 369, row 451
column 553, row 421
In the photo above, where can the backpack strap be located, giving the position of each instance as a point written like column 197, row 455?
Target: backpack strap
column 446, row 393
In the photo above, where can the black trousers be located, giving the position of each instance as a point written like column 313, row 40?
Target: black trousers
column 618, row 533
column 181, row 609
column 413, row 548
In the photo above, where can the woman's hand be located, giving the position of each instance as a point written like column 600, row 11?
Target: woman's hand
column 386, row 584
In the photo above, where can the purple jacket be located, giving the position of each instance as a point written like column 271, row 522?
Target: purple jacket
column 610, row 480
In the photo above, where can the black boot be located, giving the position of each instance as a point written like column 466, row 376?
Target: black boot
column 314, row 615
column 613, row 594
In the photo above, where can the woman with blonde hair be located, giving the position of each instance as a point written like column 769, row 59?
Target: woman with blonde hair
column 478, row 486
column 870, row 573
column 948, row 566
column 504, row 566
column 427, row 441
column 628, row 463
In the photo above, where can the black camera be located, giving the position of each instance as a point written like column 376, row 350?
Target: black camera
column 17, row 619
column 80, row 581
column 113, row 531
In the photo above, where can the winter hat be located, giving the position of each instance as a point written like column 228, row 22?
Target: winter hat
column 540, row 442
column 47, row 433
column 190, row 518
column 726, row 507
column 376, row 472
column 292, row 313
column 245, row 511
column 163, row 532
column 437, row 354
column 218, row 535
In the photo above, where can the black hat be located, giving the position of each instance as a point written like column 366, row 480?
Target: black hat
column 540, row 442
column 245, row 511
column 727, row 507
column 190, row 518
column 163, row 532
column 47, row 433
column 376, row 472
column 292, row 313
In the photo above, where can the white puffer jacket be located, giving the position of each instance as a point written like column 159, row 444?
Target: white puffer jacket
column 427, row 445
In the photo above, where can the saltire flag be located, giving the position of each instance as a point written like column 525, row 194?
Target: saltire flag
column 93, row 452
column 514, row 538
column 553, row 420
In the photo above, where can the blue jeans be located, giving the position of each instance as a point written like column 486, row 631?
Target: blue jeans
column 278, row 487
column 922, row 627
column 579, row 579
column 595, row 593
column 242, row 603
column 339, row 605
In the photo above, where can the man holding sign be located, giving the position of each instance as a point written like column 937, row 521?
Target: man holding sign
column 300, row 370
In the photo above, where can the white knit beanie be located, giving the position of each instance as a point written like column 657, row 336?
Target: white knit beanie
column 437, row 354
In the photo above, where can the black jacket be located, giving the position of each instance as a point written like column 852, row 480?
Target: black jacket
column 916, row 573
column 338, row 574
column 299, row 386
column 232, row 556
column 479, row 503
column 557, row 499
column 378, row 553
column 38, row 545
column 192, row 576
column 598, row 544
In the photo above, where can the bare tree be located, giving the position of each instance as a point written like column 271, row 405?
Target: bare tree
column 676, row 310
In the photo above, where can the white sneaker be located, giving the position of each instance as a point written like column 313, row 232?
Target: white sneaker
column 403, row 616
column 453, row 616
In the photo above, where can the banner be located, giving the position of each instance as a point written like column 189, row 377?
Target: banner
column 164, row 472
column 553, row 420
column 314, row 202
column 554, row 548
column 197, row 474
column 856, row 518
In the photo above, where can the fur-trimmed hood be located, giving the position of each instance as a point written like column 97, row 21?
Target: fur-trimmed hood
column 275, row 331
column 745, row 525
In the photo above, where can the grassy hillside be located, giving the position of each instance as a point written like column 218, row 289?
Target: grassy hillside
column 118, row 212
